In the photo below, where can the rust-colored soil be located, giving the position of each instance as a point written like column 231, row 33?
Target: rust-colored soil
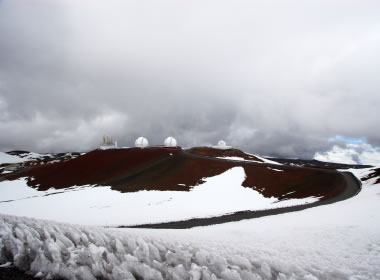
column 159, row 168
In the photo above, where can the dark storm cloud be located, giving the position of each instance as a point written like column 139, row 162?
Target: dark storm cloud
column 270, row 77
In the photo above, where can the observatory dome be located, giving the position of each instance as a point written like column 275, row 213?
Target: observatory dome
column 141, row 142
column 170, row 142
column 221, row 143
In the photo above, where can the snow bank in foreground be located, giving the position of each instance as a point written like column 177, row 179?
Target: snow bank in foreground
column 49, row 249
column 102, row 206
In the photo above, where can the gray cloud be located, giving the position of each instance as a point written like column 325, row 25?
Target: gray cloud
column 270, row 77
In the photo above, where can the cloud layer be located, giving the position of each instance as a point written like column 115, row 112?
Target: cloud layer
column 271, row 77
column 360, row 153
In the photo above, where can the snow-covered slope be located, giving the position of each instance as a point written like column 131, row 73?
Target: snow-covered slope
column 257, row 159
column 336, row 241
column 6, row 158
column 219, row 195
column 18, row 157
column 13, row 161
column 23, row 156
column 265, row 160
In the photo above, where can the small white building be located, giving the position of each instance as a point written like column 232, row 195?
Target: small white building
column 170, row 142
column 108, row 143
column 141, row 142
column 222, row 145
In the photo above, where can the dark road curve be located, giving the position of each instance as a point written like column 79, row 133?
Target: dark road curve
column 352, row 188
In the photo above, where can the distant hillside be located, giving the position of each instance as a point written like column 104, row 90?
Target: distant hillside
column 318, row 164
column 164, row 169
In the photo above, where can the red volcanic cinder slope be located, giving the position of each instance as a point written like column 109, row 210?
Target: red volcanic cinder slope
column 290, row 182
column 97, row 167
column 162, row 168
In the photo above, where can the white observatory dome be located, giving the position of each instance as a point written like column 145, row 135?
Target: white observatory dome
column 221, row 143
column 141, row 142
column 170, row 142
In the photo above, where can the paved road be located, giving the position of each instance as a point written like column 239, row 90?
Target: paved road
column 352, row 188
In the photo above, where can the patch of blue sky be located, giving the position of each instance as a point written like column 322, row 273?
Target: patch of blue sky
column 348, row 140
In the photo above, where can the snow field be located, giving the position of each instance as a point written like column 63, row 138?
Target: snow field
column 236, row 159
column 264, row 160
column 336, row 241
column 5, row 158
column 91, row 205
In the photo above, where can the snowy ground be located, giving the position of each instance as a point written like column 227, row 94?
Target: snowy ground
column 264, row 160
column 88, row 205
column 34, row 158
column 7, row 158
column 337, row 241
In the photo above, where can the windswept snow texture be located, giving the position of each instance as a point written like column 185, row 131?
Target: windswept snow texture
column 336, row 241
column 89, row 205
column 48, row 249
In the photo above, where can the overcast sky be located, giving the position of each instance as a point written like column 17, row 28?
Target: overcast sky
column 279, row 78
